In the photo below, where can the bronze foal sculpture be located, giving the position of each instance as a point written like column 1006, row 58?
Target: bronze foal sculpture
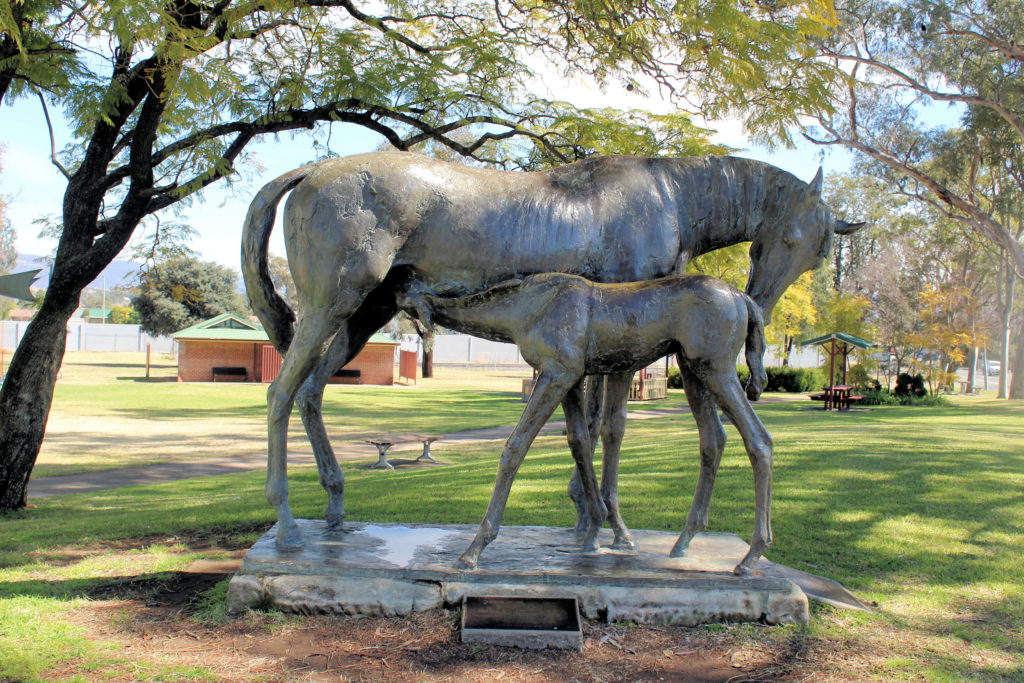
column 568, row 327
column 356, row 228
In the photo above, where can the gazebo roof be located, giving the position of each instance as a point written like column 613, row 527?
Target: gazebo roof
column 841, row 337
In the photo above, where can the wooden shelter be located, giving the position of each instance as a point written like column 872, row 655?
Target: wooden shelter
column 231, row 348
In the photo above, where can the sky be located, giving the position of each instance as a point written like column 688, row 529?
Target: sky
column 34, row 188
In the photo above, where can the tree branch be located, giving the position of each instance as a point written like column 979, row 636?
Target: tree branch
column 53, row 144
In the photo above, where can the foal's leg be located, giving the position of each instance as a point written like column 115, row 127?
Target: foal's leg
column 579, row 444
column 311, row 336
column 594, row 391
column 547, row 394
column 712, row 443
column 613, row 428
column 726, row 389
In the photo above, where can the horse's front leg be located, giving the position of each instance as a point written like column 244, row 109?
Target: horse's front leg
column 613, row 429
column 310, row 338
column 547, row 394
column 712, row 443
column 580, row 446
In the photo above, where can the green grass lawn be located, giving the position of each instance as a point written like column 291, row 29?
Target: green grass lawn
column 918, row 509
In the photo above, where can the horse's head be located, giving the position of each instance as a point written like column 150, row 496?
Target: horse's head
column 797, row 241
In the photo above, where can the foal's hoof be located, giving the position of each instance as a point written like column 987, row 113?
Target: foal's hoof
column 466, row 562
column 741, row 570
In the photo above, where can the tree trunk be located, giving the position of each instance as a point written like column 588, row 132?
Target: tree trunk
column 1004, row 357
column 1017, row 383
column 428, row 364
column 972, row 368
column 26, row 396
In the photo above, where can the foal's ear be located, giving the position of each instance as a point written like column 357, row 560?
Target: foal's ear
column 814, row 187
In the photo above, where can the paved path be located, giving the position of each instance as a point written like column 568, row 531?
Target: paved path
column 42, row 487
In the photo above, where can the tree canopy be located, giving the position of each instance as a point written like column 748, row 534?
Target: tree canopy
column 183, row 291
column 904, row 56
column 166, row 96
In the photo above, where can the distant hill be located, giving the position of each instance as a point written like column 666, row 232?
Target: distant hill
column 118, row 273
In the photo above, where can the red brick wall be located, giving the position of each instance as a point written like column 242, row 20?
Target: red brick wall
column 197, row 358
column 376, row 365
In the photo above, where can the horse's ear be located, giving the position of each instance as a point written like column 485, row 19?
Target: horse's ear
column 814, row 188
column 844, row 228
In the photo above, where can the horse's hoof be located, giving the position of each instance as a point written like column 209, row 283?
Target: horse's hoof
column 741, row 570
column 335, row 520
column 290, row 542
column 590, row 545
column 625, row 543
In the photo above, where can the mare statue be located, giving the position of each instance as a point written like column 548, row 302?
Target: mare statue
column 357, row 228
column 567, row 327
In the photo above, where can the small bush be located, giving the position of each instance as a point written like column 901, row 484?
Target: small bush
column 879, row 397
column 910, row 386
column 743, row 373
column 794, row 380
column 858, row 377
column 927, row 400
column 675, row 378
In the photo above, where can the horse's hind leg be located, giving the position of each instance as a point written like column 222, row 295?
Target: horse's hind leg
column 712, row 443
column 580, row 445
column 310, row 400
column 613, row 428
column 307, row 346
column 545, row 398
column 729, row 394
column 346, row 344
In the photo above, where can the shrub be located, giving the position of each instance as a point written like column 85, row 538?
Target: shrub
column 675, row 378
column 927, row 400
column 879, row 397
column 794, row 380
column 858, row 376
column 910, row 386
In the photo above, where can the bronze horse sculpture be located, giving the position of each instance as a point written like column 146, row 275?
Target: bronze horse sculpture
column 357, row 228
column 567, row 327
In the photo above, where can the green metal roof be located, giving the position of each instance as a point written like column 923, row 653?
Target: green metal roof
column 842, row 337
column 230, row 327
column 97, row 313
column 224, row 327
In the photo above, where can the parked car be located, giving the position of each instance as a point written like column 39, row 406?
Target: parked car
column 993, row 367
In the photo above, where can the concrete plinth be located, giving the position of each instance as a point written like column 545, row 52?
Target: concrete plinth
column 396, row 569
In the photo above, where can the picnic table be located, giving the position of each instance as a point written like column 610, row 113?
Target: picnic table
column 386, row 442
column 837, row 397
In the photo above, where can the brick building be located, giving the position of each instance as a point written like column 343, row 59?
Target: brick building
column 230, row 348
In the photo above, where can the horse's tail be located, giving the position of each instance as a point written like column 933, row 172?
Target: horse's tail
column 755, row 349
column 273, row 311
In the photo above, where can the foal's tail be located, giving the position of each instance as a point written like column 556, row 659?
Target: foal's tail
column 276, row 315
column 755, row 349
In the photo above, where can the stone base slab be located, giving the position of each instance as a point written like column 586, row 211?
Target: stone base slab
column 396, row 569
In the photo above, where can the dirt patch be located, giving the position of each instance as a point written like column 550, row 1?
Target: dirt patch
column 152, row 621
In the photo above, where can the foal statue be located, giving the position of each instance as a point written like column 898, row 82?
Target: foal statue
column 568, row 327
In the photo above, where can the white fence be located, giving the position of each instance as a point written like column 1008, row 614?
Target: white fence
column 462, row 349
column 92, row 337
